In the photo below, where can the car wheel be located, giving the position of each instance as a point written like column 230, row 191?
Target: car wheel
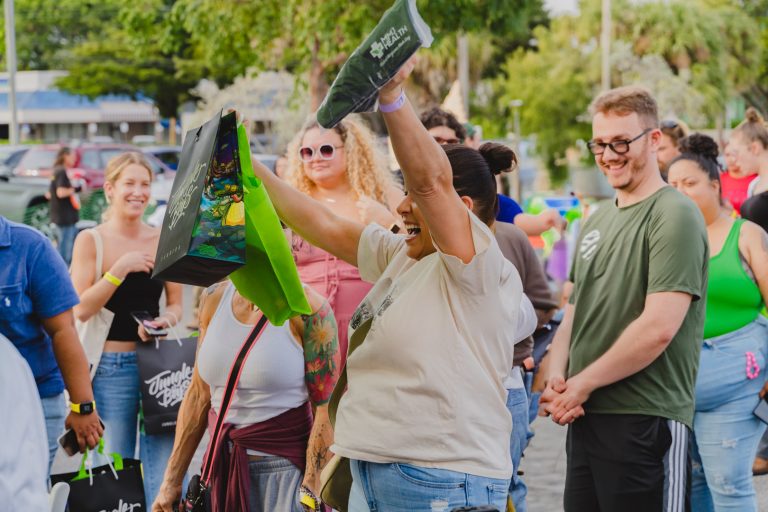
column 38, row 216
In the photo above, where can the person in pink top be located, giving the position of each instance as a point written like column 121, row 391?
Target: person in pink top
column 342, row 168
column 734, row 182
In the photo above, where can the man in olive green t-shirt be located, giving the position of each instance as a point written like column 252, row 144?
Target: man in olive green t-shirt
column 623, row 363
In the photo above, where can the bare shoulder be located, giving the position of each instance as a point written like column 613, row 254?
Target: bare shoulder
column 209, row 301
column 753, row 236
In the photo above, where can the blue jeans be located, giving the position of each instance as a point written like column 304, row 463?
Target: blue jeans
column 117, row 392
column 275, row 483
column 725, row 431
column 407, row 488
column 55, row 411
column 65, row 237
column 517, row 403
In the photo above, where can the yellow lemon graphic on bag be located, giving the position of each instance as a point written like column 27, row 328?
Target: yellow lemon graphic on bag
column 235, row 215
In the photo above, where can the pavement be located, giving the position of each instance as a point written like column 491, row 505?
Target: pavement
column 544, row 468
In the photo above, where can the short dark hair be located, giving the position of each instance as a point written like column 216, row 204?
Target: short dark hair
column 439, row 117
column 474, row 174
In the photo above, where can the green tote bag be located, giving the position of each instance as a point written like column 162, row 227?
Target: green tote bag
column 269, row 278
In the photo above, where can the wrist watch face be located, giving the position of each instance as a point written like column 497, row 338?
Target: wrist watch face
column 85, row 408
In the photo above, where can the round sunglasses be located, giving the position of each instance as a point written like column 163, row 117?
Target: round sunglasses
column 326, row 152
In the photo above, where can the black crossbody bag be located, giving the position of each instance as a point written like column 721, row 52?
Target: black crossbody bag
column 198, row 498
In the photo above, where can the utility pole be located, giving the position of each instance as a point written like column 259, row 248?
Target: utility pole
column 462, row 54
column 516, row 104
column 605, row 43
column 10, row 58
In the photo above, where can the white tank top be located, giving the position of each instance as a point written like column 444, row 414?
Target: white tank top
column 272, row 380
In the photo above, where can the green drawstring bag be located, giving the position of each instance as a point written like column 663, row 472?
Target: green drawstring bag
column 399, row 34
column 269, row 278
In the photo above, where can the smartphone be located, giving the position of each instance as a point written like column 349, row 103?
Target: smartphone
column 68, row 441
column 145, row 319
column 761, row 411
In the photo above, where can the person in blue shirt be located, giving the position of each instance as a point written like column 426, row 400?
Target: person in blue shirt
column 36, row 301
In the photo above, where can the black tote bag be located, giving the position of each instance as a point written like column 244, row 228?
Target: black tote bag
column 203, row 235
column 165, row 373
column 101, row 489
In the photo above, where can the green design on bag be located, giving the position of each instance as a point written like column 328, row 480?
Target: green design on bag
column 399, row 34
column 117, row 459
column 269, row 278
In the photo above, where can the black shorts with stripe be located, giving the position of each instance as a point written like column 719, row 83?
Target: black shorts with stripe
column 627, row 463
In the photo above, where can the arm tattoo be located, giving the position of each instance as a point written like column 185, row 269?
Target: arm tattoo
column 322, row 358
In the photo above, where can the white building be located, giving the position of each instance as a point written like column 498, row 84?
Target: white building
column 47, row 114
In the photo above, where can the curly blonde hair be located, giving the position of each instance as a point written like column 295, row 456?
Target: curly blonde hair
column 366, row 172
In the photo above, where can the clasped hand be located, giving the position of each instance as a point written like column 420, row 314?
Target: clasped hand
column 563, row 400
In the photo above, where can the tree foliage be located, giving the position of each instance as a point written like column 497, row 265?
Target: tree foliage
column 692, row 54
column 143, row 53
column 315, row 36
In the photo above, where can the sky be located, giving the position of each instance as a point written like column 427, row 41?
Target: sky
column 561, row 6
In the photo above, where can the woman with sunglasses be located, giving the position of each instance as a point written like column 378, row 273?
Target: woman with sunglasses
column 735, row 347
column 671, row 133
column 423, row 419
column 341, row 169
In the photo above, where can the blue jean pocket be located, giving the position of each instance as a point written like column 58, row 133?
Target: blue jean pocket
column 497, row 493
column 433, row 478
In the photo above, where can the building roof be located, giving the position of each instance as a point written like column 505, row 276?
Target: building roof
column 39, row 102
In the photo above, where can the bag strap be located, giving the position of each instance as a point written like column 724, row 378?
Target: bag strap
column 99, row 252
column 229, row 392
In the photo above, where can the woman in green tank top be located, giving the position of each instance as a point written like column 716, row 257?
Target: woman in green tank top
column 732, row 372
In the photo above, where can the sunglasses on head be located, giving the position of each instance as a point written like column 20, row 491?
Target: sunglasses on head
column 326, row 152
column 669, row 124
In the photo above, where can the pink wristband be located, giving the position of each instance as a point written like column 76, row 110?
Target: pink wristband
column 395, row 105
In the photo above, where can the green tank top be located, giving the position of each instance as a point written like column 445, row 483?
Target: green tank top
column 733, row 298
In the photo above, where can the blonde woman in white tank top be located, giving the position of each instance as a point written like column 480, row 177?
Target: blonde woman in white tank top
column 289, row 367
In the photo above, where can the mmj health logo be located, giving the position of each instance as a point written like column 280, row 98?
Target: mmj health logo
column 124, row 507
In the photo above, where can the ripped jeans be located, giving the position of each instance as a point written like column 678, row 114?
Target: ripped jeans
column 725, row 432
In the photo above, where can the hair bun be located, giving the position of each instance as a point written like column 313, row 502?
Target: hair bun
column 499, row 157
column 753, row 116
column 700, row 144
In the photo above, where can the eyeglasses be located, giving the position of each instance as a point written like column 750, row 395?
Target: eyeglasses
column 327, row 152
column 443, row 141
column 619, row 147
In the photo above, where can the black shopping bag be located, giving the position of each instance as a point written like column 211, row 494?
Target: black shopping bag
column 115, row 488
column 203, row 235
column 165, row 370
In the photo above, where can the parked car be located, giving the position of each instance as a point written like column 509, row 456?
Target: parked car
column 22, row 196
column 91, row 159
column 9, row 158
column 169, row 155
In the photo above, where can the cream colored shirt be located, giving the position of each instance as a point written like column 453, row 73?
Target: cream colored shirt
column 426, row 386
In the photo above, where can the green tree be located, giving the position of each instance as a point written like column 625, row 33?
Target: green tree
column 314, row 37
column 47, row 30
column 143, row 53
column 693, row 55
